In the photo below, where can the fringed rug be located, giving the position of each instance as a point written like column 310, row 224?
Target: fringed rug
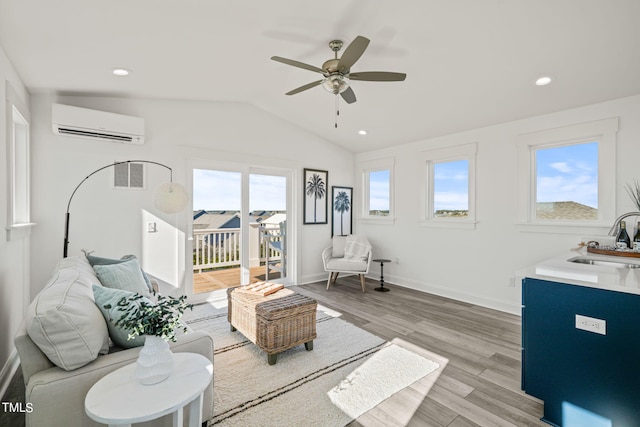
column 348, row 372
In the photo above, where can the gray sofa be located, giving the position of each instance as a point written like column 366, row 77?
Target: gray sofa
column 64, row 349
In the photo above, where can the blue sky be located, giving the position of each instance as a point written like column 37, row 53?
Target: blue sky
column 379, row 190
column 451, row 185
column 568, row 173
column 221, row 190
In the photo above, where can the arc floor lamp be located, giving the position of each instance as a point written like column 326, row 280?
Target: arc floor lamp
column 169, row 197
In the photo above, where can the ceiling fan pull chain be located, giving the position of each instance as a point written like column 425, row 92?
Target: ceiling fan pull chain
column 337, row 110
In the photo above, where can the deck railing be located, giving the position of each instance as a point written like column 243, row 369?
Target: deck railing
column 220, row 247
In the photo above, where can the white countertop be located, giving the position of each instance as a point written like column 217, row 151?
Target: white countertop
column 559, row 269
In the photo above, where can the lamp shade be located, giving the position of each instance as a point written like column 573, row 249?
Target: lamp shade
column 170, row 197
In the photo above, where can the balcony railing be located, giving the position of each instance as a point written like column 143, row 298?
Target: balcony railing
column 220, row 247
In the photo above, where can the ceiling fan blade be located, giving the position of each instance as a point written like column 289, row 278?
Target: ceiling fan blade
column 297, row 64
column 305, row 87
column 352, row 53
column 349, row 96
column 378, row 76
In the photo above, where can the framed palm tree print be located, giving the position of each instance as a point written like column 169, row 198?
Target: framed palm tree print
column 342, row 209
column 315, row 196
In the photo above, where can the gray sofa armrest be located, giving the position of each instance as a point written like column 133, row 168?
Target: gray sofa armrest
column 58, row 396
column 32, row 360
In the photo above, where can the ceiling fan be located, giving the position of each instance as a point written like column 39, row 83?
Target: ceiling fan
column 337, row 71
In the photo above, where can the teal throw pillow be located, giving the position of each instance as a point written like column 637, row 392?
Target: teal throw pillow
column 96, row 260
column 107, row 296
column 125, row 275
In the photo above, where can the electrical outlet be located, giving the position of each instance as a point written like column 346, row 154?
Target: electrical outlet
column 512, row 282
column 591, row 324
column 151, row 227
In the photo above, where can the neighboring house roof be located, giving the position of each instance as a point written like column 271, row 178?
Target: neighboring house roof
column 203, row 219
column 199, row 213
column 262, row 216
column 276, row 218
column 215, row 219
column 565, row 210
column 257, row 216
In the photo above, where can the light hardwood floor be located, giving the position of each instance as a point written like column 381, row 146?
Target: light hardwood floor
column 478, row 350
column 479, row 382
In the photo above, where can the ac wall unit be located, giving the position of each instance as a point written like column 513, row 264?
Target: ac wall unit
column 101, row 125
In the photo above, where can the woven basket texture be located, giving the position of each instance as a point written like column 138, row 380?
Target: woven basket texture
column 275, row 322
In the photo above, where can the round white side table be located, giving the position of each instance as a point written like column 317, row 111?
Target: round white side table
column 118, row 399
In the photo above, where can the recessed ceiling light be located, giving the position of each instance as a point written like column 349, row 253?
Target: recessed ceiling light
column 121, row 72
column 543, row 81
column 362, row 132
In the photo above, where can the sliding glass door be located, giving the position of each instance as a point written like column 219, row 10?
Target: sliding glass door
column 240, row 232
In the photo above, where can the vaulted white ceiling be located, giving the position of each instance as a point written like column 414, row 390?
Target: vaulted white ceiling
column 469, row 63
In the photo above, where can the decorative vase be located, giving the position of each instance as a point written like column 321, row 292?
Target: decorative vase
column 155, row 361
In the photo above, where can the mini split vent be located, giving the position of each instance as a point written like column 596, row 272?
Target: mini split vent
column 98, row 125
column 128, row 175
column 91, row 135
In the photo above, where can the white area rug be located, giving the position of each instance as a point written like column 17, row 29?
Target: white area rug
column 348, row 372
column 386, row 372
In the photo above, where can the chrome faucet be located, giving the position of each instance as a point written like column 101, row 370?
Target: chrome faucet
column 616, row 224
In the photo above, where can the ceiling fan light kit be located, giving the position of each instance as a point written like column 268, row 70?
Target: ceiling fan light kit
column 335, row 83
column 337, row 71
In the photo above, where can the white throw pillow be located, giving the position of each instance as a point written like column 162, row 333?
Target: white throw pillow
column 338, row 246
column 63, row 319
column 356, row 248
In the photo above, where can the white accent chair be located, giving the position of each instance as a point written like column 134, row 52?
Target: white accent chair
column 348, row 254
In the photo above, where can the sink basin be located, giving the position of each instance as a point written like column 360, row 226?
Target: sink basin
column 596, row 261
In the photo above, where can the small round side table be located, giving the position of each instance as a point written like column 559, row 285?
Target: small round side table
column 381, row 261
column 118, row 398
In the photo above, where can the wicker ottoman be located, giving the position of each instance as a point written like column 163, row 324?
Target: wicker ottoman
column 275, row 322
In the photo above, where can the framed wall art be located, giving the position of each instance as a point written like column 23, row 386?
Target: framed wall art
column 342, row 211
column 315, row 196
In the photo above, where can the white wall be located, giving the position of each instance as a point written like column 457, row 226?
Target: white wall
column 14, row 253
column 177, row 132
column 475, row 265
column 471, row 265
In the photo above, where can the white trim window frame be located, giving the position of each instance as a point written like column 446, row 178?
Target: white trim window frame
column 604, row 132
column 428, row 161
column 18, row 138
column 366, row 168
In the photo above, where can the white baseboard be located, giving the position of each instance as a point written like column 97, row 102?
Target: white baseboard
column 495, row 304
column 8, row 371
column 311, row 278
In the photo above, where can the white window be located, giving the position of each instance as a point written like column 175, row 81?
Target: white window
column 377, row 190
column 567, row 175
column 19, row 200
column 566, row 182
column 448, row 191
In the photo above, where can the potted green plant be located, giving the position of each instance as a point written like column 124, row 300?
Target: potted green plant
column 158, row 323
column 143, row 317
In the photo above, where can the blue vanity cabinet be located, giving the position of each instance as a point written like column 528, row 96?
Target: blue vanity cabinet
column 577, row 371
